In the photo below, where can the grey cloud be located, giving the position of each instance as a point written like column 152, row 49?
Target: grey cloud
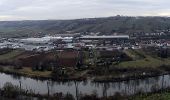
column 71, row 9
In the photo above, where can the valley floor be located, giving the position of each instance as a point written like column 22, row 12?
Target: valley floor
column 142, row 65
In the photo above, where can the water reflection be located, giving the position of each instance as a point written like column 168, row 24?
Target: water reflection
column 77, row 88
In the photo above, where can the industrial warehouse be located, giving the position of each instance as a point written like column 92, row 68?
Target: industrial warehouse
column 64, row 42
column 106, row 37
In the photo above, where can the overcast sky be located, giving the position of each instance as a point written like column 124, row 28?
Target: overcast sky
column 73, row 9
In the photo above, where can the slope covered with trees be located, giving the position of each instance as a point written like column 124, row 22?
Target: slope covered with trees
column 108, row 25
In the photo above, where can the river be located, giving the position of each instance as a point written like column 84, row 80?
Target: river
column 88, row 87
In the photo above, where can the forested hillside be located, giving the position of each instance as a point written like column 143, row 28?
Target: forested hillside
column 109, row 25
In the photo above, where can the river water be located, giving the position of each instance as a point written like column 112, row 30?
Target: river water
column 88, row 87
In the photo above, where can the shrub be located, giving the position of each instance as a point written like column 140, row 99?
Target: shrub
column 10, row 90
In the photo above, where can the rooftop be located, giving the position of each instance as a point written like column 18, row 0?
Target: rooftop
column 105, row 36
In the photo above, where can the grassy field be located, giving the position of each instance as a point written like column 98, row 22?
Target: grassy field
column 156, row 96
column 134, row 54
column 10, row 55
column 148, row 61
column 27, row 71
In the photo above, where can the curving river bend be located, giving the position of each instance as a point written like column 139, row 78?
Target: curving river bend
column 88, row 87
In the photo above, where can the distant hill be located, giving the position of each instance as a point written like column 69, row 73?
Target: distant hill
column 109, row 25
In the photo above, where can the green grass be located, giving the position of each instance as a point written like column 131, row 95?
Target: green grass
column 156, row 96
column 149, row 61
column 27, row 71
column 10, row 55
column 134, row 54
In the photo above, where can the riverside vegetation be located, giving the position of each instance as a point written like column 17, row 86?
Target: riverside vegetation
column 97, row 65
column 12, row 92
column 100, row 66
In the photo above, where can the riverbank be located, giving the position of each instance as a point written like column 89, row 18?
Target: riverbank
column 46, row 75
column 127, row 78
column 161, row 94
column 143, row 65
column 96, row 67
column 156, row 95
column 88, row 89
column 14, row 92
column 10, row 92
column 152, row 96
column 41, row 75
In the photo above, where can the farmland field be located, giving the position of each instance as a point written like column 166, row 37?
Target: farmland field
column 148, row 61
column 10, row 55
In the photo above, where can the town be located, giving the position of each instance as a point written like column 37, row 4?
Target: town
column 76, row 41
column 95, row 57
column 84, row 50
column 77, row 51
